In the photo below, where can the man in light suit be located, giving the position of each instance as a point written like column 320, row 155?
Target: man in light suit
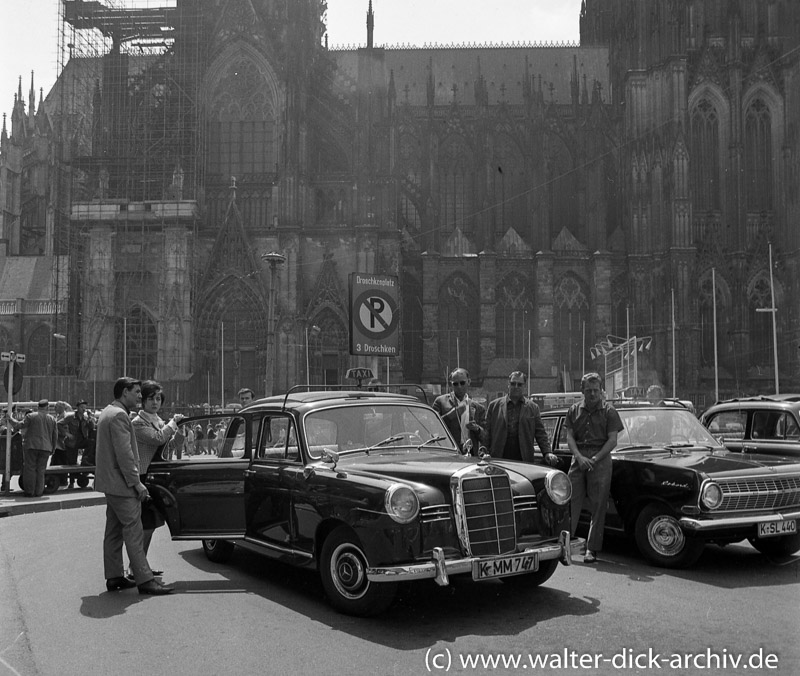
column 117, row 475
column 513, row 423
column 460, row 414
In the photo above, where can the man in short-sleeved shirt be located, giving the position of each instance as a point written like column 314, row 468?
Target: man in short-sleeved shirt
column 592, row 427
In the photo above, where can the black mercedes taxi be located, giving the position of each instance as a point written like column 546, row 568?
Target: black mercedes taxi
column 368, row 488
column 674, row 487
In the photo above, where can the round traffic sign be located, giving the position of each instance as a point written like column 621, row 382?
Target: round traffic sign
column 376, row 314
column 17, row 378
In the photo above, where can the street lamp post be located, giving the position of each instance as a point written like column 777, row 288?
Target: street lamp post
column 274, row 259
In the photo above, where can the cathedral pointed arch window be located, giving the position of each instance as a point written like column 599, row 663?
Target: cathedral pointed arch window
column 409, row 160
column 509, row 187
column 514, row 317
column 455, row 185
column 241, row 128
column 706, row 312
column 759, row 297
column 38, row 350
column 459, row 325
column 136, row 347
column 705, row 160
column 758, row 156
column 327, row 353
column 571, row 321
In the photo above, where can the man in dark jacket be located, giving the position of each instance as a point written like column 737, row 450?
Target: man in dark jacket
column 40, row 439
column 513, row 423
column 460, row 414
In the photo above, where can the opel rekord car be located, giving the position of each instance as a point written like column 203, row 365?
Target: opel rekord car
column 367, row 488
column 674, row 487
column 765, row 424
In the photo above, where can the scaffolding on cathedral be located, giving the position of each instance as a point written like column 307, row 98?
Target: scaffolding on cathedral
column 126, row 113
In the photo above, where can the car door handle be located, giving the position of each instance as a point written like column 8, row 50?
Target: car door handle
column 249, row 472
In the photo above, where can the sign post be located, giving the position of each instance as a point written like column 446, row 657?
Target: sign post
column 374, row 315
column 12, row 388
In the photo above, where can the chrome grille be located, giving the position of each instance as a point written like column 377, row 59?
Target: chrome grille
column 525, row 503
column 488, row 513
column 759, row 493
column 434, row 513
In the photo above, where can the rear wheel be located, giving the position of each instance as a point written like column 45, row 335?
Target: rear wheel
column 531, row 580
column 343, row 568
column 661, row 539
column 82, row 480
column 51, row 483
column 218, row 551
column 780, row 546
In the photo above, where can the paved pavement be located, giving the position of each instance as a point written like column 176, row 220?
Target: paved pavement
column 16, row 502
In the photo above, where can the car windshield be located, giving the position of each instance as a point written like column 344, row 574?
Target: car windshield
column 375, row 427
column 662, row 427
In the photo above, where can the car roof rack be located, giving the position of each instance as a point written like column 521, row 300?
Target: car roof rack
column 410, row 389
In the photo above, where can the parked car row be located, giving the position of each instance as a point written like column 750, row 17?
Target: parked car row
column 369, row 489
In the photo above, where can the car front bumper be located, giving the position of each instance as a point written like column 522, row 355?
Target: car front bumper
column 705, row 525
column 439, row 568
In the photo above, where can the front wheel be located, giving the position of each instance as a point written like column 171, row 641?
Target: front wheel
column 343, row 568
column 780, row 546
column 661, row 539
column 531, row 580
column 218, row 551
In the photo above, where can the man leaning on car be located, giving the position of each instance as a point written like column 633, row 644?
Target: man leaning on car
column 592, row 426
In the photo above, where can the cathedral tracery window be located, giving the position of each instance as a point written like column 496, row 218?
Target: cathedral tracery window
column 705, row 163
column 706, row 317
column 136, row 348
column 509, row 186
column 758, row 156
column 455, row 185
column 459, row 324
column 37, row 357
column 759, row 296
column 242, row 124
column 571, row 319
column 514, row 317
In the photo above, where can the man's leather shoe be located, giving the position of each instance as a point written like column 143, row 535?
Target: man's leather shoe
column 155, row 588
column 117, row 583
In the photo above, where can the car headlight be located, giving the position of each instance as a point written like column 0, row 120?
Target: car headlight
column 558, row 487
column 711, row 495
column 402, row 503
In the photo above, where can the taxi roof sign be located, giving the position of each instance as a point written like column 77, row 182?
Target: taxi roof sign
column 360, row 373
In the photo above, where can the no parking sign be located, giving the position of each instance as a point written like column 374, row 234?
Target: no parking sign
column 374, row 315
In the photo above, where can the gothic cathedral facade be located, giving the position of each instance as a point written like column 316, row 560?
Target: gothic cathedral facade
column 541, row 206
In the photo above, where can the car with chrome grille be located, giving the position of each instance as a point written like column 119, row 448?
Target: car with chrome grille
column 367, row 488
column 675, row 488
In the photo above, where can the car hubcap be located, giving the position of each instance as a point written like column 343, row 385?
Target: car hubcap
column 665, row 536
column 348, row 571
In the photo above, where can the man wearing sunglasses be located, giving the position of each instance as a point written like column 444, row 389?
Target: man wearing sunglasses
column 461, row 415
column 513, row 423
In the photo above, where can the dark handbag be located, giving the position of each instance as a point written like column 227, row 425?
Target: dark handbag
column 151, row 517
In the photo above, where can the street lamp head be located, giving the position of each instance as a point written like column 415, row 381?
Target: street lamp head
column 273, row 258
column 59, row 336
column 314, row 331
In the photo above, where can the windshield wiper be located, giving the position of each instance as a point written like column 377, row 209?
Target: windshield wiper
column 438, row 437
column 386, row 441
